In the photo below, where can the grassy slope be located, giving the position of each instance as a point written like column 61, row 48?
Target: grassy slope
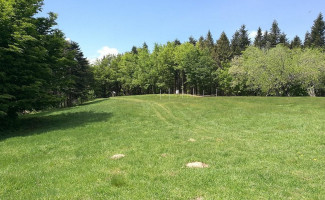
column 257, row 148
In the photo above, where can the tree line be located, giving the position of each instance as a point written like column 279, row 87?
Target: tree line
column 269, row 65
column 40, row 69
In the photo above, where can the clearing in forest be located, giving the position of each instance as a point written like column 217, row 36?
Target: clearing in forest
column 254, row 147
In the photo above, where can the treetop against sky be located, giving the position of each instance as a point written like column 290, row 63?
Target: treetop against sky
column 103, row 27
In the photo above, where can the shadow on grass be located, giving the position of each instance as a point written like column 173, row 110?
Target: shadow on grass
column 94, row 101
column 38, row 124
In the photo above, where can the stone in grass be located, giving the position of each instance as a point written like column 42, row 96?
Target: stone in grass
column 199, row 198
column 117, row 156
column 192, row 140
column 197, row 165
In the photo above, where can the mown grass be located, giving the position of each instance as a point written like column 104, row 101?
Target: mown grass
column 256, row 148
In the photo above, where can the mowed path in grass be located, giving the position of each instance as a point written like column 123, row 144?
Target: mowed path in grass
column 256, row 148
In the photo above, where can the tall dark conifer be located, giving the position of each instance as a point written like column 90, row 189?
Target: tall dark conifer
column 307, row 41
column 266, row 44
column 177, row 42
column 192, row 40
column 258, row 42
column 223, row 50
column 134, row 50
column 235, row 44
column 296, row 42
column 244, row 38
column 283, row 39
column 200, row 43
column 275, row 34
column 209, row 43
column 240, row 41
column 144, row 45
column 317, row 32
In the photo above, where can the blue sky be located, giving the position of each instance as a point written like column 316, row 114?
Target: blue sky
column 108, row 26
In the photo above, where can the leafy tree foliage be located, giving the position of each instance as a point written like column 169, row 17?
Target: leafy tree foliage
column 37, row 66
column 280, row 71
column 40, row 69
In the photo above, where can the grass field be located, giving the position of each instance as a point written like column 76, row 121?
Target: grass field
column 256, row 148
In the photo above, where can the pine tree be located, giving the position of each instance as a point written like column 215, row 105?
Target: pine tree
column 223, row 50
column 208, row 42
column 244, row 40
column 258, row 42
column 77, row 74
column 275, row 33
column 307, row 41
column 296, row 42
column 192, row 40
column 317, row 32
column 134, row 50
column 145, row 46
column 240, row 41
column 266, row 44
column 177, row 42
column 200, row 43
column 283, row 39
column 235, row 44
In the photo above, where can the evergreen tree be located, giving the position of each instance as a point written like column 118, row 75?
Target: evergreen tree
column 200, row 43
column 192, row 40
column 240, row 41
column 296, row 42
column 258, row 42
column 209, row 43
column 283, row 39
column 307, row 41
column 78, row 74
column 144, row 46
column 275, row 34
column 244, row 40
column 266, row 41
column 134, row 50
column 223, row 50
column 177, row 42
column 235, row 44
column 317, row 32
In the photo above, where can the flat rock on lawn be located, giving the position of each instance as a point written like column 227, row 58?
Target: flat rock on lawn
column 192, row 140
column 197, row 165
column 118, row 156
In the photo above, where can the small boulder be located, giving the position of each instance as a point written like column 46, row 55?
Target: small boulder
column 192, row 140
column 117, row 156
column 197, row 165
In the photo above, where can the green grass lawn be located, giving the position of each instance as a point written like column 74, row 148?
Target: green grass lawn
column 256, row 148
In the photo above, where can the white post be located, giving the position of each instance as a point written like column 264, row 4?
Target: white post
column 182, row 91
column 216, row 92
column 160, row 94
column 203, row 92
column 169, row 93
column 193, row 91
